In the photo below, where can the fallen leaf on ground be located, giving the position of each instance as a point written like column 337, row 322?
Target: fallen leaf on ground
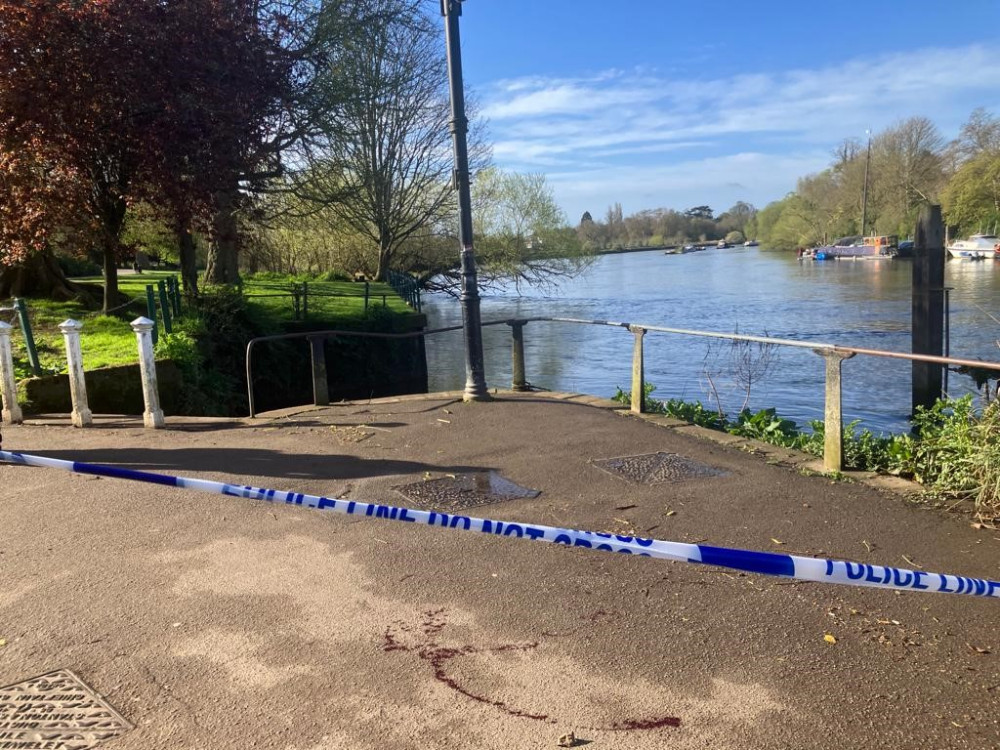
column 776, row 541
column 670, row 513
column 829, row 638
column 3, row 642
column 977, row 649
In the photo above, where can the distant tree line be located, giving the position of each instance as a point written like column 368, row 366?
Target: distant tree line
column 908, row 165
column 665, row 226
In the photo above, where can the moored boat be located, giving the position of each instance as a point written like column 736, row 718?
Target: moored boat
column 858, row 247
column 977, row 247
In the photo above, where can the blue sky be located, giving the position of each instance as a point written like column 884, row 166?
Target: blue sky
column 676, row 104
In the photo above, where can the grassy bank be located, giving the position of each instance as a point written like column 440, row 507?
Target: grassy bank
column 265, row 306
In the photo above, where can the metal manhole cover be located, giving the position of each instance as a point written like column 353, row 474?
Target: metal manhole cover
column 463, row 491
column 56, row 711
column 657, row 468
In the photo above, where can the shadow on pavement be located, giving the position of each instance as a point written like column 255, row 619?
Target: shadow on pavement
column 254, row 462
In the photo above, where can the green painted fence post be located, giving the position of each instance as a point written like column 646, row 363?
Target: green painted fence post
column 151, row 309
column 176, row 289
column 165, row 307
column 29, row 339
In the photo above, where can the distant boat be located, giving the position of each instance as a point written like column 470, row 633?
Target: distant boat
column 751, row 243
column 857, row 247
column 977, row 247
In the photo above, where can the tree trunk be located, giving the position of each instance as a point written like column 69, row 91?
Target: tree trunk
column 189, row 271
column 384, row 259
column 111, row 209
column 110, row 252
column 41, row 276
column 224, row 252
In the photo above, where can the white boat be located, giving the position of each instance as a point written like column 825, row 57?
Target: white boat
column 978, row 246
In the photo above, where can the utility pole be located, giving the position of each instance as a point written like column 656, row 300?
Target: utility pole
column 475, row 379
column 864, row 193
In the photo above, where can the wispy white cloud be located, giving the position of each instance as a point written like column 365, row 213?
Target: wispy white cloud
column 598, row 134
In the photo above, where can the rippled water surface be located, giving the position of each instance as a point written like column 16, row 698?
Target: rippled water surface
column 859, row 303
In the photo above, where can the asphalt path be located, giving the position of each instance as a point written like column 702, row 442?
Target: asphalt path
column 212, row 622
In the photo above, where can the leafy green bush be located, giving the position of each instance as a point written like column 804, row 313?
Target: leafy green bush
column 73, row 265
column 693, row 412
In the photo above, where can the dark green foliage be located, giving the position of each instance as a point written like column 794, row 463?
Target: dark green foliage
column 74, row 266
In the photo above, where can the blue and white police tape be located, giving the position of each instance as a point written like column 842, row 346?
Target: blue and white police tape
column 768, row 563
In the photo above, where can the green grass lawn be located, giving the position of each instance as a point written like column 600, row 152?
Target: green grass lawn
column 327, row 300
column 109, row 340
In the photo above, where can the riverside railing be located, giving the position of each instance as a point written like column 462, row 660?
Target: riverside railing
column 300, row 294
column 832, row 354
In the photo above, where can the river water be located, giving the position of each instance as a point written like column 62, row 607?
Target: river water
column 747, row 290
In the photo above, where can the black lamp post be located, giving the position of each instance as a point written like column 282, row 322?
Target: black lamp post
column 475, row 378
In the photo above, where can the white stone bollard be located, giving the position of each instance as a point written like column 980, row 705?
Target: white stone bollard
column 153, row 416
column 74, row 362
column 11, row 411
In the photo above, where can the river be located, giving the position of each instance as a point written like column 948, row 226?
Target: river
column 745, row 290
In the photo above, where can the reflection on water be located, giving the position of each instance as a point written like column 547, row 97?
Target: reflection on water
column 860, row 303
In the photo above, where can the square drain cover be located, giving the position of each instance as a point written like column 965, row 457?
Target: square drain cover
column 56, row 711
column 657, row 468
column 463, row 491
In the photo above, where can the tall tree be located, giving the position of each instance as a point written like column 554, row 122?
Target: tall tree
column 384, row 163
column 129, row 100
column 521, row 235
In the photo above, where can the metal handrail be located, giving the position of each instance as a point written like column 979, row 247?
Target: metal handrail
column 831, row 350
column 333, row 333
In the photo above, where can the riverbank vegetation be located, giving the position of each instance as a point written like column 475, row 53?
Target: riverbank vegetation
column 906, row 166
column 953, row 450
column 665, row 226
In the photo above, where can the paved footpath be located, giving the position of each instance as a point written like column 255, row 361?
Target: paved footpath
column 216, row 622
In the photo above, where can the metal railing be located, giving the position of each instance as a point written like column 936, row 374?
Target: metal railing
column 406, row 287
column 833, row 355
column 300, row 293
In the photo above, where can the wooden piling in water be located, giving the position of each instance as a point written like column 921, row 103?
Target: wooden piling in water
column 927, row 319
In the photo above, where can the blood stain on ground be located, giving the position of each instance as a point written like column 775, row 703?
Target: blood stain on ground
column 428, row 650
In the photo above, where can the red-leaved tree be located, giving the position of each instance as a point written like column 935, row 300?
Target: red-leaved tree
column 104, row 103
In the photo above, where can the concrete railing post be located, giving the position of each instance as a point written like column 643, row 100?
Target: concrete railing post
column 11, row 411
column 74, row 362
column 638, row 374
column 152, row 417
column 517, row 380
column 321, row 388
column 833, row 431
